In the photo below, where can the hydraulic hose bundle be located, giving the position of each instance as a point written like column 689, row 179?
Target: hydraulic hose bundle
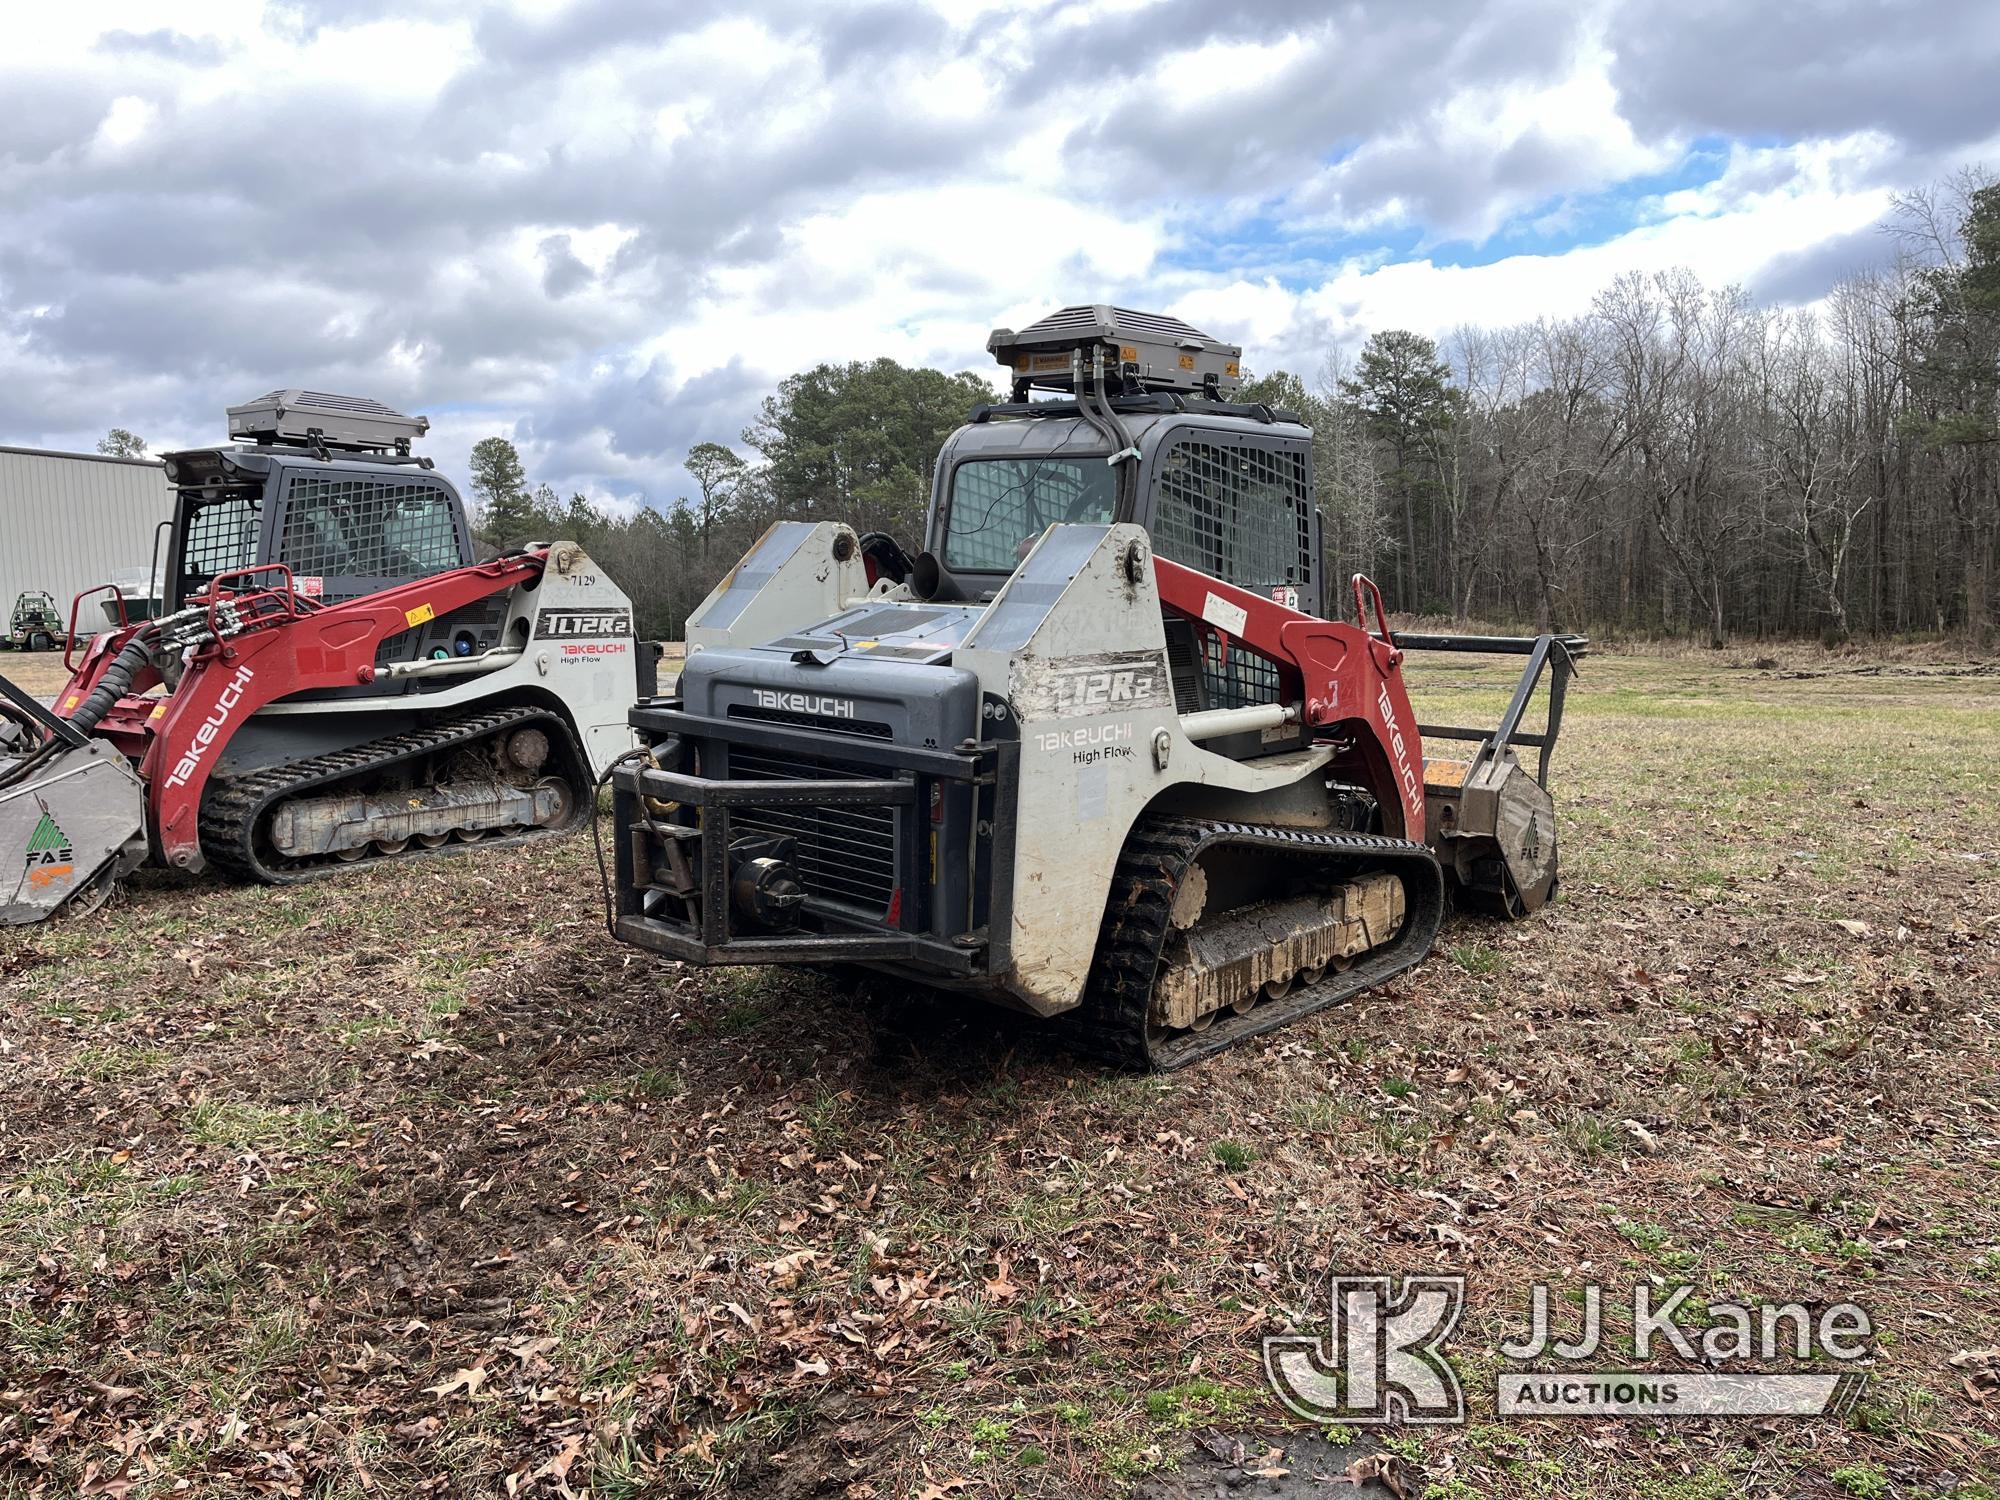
column 1122, row 451
column 115, row 683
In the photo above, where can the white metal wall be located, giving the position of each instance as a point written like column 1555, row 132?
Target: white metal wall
column 69, row 521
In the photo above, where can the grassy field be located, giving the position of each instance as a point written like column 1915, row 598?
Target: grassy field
column 416, row 1184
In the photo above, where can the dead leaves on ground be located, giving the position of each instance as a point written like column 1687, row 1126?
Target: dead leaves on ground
column 591, row 1217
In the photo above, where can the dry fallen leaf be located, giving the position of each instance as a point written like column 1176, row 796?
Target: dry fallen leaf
column 1386, row 1467
column 114, row 1484
column 1648, row 1142
column 558, row 1467
column 1000, row 1288
column 700, row 1447
column 1267, row 1465
column 787, row 1269
column 470, row 1378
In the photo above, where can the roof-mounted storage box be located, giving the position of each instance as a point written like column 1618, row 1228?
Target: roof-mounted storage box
column 304, row 419
column 1149, row 351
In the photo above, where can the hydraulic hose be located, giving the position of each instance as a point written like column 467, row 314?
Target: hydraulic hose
column 113, row 684
column 14, row 772
column 1104, row 417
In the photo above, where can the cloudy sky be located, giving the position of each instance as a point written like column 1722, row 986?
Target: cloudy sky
column 607, row 227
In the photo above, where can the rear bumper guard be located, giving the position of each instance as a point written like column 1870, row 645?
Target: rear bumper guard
column 674, row 874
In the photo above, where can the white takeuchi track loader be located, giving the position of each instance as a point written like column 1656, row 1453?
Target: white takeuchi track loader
column 1098, row 753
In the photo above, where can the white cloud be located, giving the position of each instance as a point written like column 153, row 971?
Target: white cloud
column 920, row 276
column 126, row 122
column 609, row 231
column 1729, row 239
column 1758, row 176
column 1483, row 155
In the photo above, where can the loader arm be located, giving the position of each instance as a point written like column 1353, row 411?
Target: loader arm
column 283, row 651
column 1347, row 684
column 90, row 671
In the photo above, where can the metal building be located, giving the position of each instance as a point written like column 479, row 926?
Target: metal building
column 70, row 521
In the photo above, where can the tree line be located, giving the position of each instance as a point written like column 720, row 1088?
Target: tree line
column 1677, row 461
column 855, row 442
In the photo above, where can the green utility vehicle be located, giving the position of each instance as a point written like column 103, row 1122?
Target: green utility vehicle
column 35, row 624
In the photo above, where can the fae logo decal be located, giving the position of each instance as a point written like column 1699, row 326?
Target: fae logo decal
column 49, row 857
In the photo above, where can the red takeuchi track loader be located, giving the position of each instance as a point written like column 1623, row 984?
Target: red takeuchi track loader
column 335, row 680
column 1097, row 753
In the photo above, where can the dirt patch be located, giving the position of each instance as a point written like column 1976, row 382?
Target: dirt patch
column 38, row 673
column 1283, row 1466
column 1891, row 669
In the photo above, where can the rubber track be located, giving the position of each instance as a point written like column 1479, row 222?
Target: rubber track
column 232, row 808
column 1111, row 1022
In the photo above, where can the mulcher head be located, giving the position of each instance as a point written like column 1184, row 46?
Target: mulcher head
column 72, row 822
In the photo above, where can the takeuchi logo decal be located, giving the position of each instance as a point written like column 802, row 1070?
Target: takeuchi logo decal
column 211, row 728
column 49, row 857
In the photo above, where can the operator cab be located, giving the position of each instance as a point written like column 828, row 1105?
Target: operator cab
column 327, row 486
column 1224, row 486
column 1138, row 427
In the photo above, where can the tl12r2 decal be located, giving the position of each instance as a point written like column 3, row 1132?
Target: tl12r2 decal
column 582, row 624
column 1107, row 682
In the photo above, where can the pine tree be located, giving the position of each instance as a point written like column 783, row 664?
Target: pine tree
column 1404, row 389
column 506, row 515
column 717, row 470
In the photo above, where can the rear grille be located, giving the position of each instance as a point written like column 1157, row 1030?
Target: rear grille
column 845, row 854
column 866, row 728
column 1184, row 666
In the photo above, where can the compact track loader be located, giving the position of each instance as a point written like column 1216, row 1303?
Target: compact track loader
column 1097, row 753
column 334, row 680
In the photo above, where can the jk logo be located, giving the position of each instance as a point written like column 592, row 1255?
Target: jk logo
column 1382, row 1359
